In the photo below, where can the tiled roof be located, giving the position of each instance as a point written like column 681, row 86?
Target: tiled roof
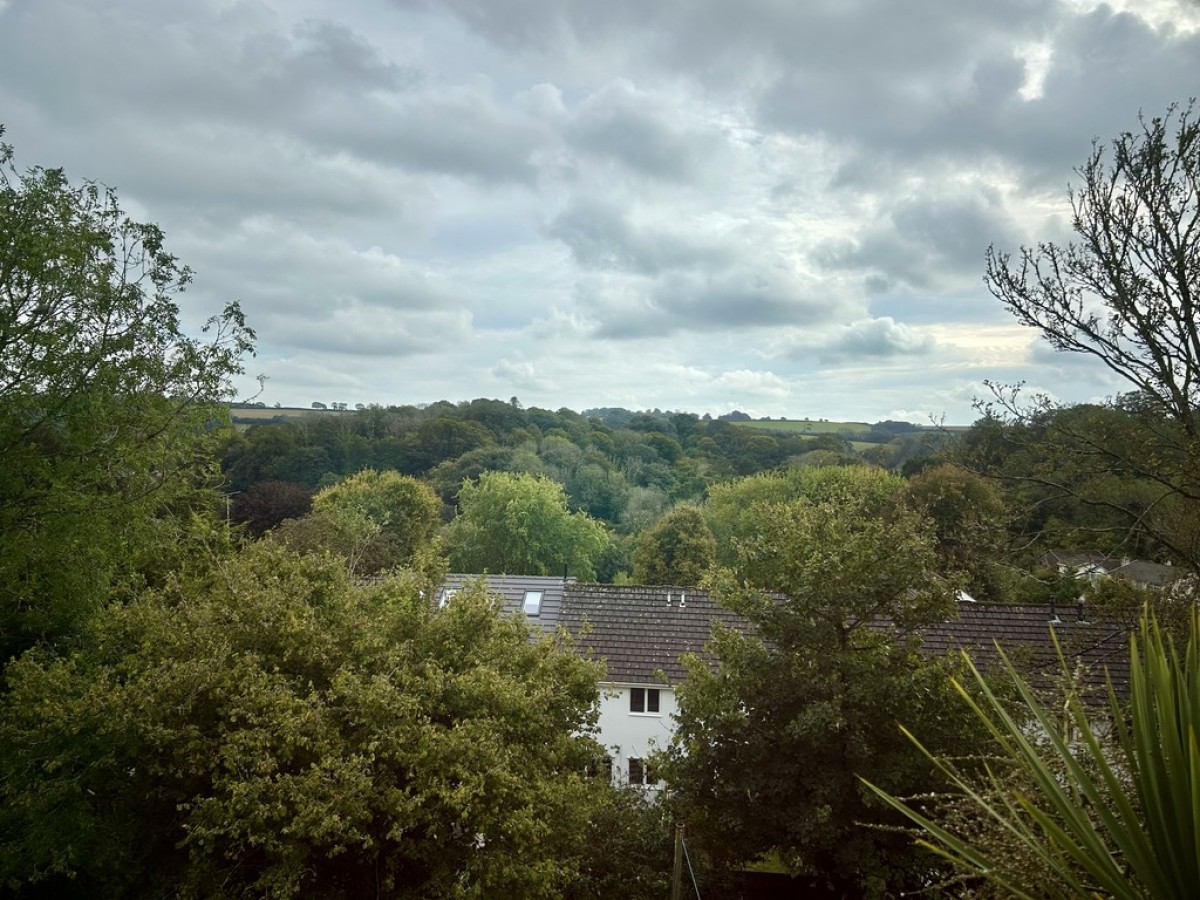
column 513, row 589
column 638, row 630
column 639, row 633
column 1024, row 633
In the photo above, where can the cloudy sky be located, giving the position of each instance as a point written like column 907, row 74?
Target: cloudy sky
column 779, row 206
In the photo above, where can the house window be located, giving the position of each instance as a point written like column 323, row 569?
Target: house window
column 643, row 700
column 641, row 772
column 533, row 603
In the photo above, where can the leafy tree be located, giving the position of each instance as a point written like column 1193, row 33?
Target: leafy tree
column 447, row 477
column 518, row 524
column 628, row 849
column 969, row 516
column 678, row 549
column 268, row 728
column 1125, row 295
column 770, row 744
column 265, row 504
column 106, row 405
column 733, row 516
column 406, row 511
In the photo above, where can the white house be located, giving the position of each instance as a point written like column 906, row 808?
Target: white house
column 640, row 633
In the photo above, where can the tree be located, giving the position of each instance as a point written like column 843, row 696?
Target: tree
column 518, row 524
column 107, row 407
column 265, row 504
column 970, row 517
column 406, row 511
column 678, row 549
column 267, row 728
column 1125, row 295
column 770, row 744
column 733, row 516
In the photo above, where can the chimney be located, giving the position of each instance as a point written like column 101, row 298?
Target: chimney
column 682, row 599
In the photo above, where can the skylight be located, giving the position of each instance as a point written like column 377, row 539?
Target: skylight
column 533, row 603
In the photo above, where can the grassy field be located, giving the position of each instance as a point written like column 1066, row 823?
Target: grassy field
column 793, row 426
column 269, row 413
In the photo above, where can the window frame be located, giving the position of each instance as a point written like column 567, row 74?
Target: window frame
column 645, row 701
column 537, row 609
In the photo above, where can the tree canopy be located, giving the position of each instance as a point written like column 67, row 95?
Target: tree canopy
column 770, row 744
column 267, row 727
column 678, row 549
column 519, row 524
column 106, row 404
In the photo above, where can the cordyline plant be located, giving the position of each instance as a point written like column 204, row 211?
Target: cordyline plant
column 1101, row 811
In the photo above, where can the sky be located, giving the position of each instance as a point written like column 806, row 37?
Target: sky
column 776, row 206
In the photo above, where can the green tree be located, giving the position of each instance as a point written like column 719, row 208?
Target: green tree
column 268, row 728
column 106, row 405
column 771, row 743
column 970, row 520
column 265, row 504
column 406, row 510
column 732, row 514
column 518, row 524
column 678, row 549
column 1125, row 295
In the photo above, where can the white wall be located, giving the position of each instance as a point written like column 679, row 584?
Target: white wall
column 624, row 734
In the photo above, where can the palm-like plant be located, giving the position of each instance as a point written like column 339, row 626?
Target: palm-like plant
column 1105, row 808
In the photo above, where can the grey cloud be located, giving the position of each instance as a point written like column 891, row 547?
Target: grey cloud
column 219, row 70
column 371, row 333
column 876, row 339
column 734, row 300
column 645, row 132
column 602, row 235
column 459, row 130
column 926, row 241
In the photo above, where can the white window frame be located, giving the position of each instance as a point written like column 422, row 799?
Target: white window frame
column 645, row 697
column 536, row 597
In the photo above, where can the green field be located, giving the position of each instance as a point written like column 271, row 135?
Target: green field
column 270, row 413
column 793, row 426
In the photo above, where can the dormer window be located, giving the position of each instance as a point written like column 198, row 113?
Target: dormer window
column 643, row 700
column 533, row 602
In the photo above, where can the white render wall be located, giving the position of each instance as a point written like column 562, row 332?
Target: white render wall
column 626, row 735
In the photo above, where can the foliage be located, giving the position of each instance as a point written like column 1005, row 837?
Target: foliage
column 628, row 848
column 969, row 516
column 733, row 515
column 1111, row 808
column 106, row 405
column 1124, row 295
column 406, row 510
column 265, row 504
column 770, row 745
column 267, row 728
column 519, row 524
column 678, row 549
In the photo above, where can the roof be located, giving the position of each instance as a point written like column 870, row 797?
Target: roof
column 1138, row 571
column 513, row 588
column 1024, row 632
column 642, row 631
